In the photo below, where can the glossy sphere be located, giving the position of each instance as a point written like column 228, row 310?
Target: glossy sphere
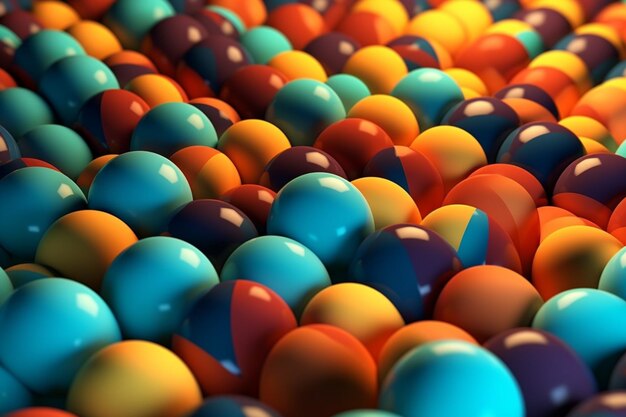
column 306, row 362
column 352, row 143
column 10, row 150
column 486, row 300
column 228, row 334
column 156, row 89
column 543, row 365
column 221, row 114
column 488, row 119
column 608, row 112
column 70, row 82
column 59, row 146
column 300, row 23
column 423, row 262
column 552, row 218
column 348, row 306
column 127, row 65
column 85, row 179
column 171, row 127
column 219, row 21
column 477, row 238
column 367, row 28
column 441, row 27
column 254, row 200
column 617, row 223
column 46, row 359
column 412, row 171
column 273, row 261
column 251, row 89
column 610, row 404
column 590, row 322
column 21, row 22
column 263, row 43
column 40, row 412
column 518, row 174
column 209, row 63
column 54, row 14
column 572, row 257
column 585, row 126
column 364, row 65
column 134, row 378
column 418, row 52
column 296, row 161
column 298, row 64
column 209, row 172
column 15, row 395
column 414, row 335
column 529, row 92
column 37, row 197
column 233, row 406
column 303, row 108
column 107, row 120
column 325, row 213
column 551, row 25
column 97, row 40
column 349, row 88
column 583, row 189
column 131, row 21
column 250, row 145
column 598, row 54
column 332, row 50
column 451, row 369
column 141, row 188
column 215, row 227
column 21, row 110
column 176, row 274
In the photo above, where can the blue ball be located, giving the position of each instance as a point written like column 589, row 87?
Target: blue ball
column 131, row 20
column 325, row 213
column 349, row 88
column 275, row 262
column 152, row 285
column 49, row 329
column 263, row 43
column 233, row 406
column 450, row 379
column 33, row 199
column 13, row 394
column 430, row 93
column 71, row 81
column 592, row 323
column 171, row 127
column 6, row 286
column 22, row 110
column 142, row 188
column 613, row 278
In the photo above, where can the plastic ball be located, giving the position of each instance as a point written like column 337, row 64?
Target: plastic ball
column 215, row 227
column 46, row 359
column 363, row 64
column 298, row 64
column 22, row 110
column 85, row 179
column 141, row 188
column 305, row 362
column 583, row 189
column 254, row 200
column 263, row 43
column 393, row 12
column 296, row 161
column 233, row 406
column 127, row 65
column 519, row 175
column 15, row 395
column 156, row 89
column 440, row 26
column 302, row 109
column 21, row 22
column 551, row 25
column 251, row 89
column 40, row 412
column 221, row 114
column 96, row 39
column 107, row 120
column 617, row 222
column 451, row 369
column 134, row 378
column 418, row 52
column 380, row 193
column 228, row 334
column 332, row 50
column 542, row 366
column 552, row 218
column 54, row 14
column 300, row 23
column 366, row 28
column 73, row 80
column 57, row 145
column 598, row 54
column 349, row 88
column 21, row 274
column 273, row 261
column 37, row 197
column 131, row 21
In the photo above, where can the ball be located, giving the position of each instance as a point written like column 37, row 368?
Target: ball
column 22, row 110
column 332, row 50
column 221, row 114
column 418, row 52
column 300, row 23
column 21, row 22
column 264, row 42
column 128, row 64
column 518, row 174
column 156, row 89
column 131, row 21
column 298, row 64
column 364, row 65
column 96, row 39
column 366, row 28
column 254, row 200
column 349, row 88
column 604, row 404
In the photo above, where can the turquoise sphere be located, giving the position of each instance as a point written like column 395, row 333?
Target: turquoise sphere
column 263, row 43
column 49, row 329
column 349, row 88
column 303, row 108
column 592, row 323
column 430, row 93
column 325, row 213
column 21, row 110
column 33, row 199
column 141, row 188
column 6, row 287
column 171, row 127
column 613, row 278
column 71, row 81
column 131, row 20
column 153, row 284
column 287, row 267
column 13, row 394
column 451, row 379
column 58, row 145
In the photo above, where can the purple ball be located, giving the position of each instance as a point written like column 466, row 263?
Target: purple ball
column 550, row 24
column 332, row 50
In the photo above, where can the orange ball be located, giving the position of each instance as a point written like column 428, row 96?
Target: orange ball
column 519, row 175
column 298, row 64
column 617, row 222
column 97, row 40
column 380, row 79
column 89, row 173
column 607, row 105
column 300, row 23
column 530, row 111
column 552, row 218
column 318, row 371
column 486, row 300
column 54, row 14
column 156, row 89
column 367, row 28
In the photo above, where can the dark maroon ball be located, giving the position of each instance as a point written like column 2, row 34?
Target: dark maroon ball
column 218, row 119
column 22, row 23
column 529, row 92
column 606, row 404
column 215, row 227
column 332, row 50
column 216, row 24
column 598, row 54
column 296, row 161
column 254, row 200
column 551, row 376
column 127, row 65
column 551, row 25
column 592, row 7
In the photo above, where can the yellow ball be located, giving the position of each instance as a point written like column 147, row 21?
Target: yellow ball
column 134, row 379
column 586, row 127
column 390, row 113
column 379, row 67
column 474, row 16
column 55, row 14
column 441, row 27
column 390, row 203
column 391, row 10
column 97, row 40
column 467, row 79
column 469, row 94
column 298, row 64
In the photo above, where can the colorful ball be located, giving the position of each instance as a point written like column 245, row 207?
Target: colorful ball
column 300, row 23
column 221, row 114
column 96, row 39
column 229, row 333
column 131, row 21
column 617, row 222
column 418, row 52
column 91, row 9
column 233, row 406
column 529, row 92
column 518, row 174
column 598, row 54
column 134, row 378
column 220, row 21
column 156, row 89
column 47, row 358
column 393, row 12
column 349, row 88
column 366, row 28
column 332, row 50
column 127, row 65
column 142, row 188
column 298, row 64
column 451, row 369
column 54, row 14
column 254, row 200
column 21, row 22
column 263, row 43
column 440, row 26
column 380, row 80
column 22, row 110
column 585, row 126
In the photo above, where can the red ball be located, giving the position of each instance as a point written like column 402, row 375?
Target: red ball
column 298, row 22
column 254, row 200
